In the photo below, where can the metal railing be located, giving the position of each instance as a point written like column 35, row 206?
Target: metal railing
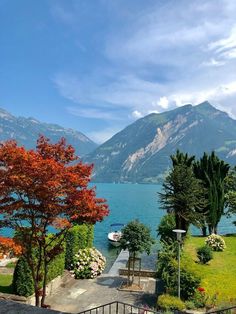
column 124, row 308
column 118, row 308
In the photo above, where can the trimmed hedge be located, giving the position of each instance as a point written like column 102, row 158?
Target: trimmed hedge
column 56, row 267
column 22, row 283
column 78, row 237
column 22, row 278
column 168, row 302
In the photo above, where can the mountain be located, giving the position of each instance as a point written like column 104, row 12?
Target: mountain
column 26, row 131
column 141, row 152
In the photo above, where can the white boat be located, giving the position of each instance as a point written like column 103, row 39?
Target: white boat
column 115, row 234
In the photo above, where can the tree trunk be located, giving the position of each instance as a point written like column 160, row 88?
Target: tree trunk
column 204, row 231
column 44, row 284
column 133, row 267
column 36, row 292
column 210, row 229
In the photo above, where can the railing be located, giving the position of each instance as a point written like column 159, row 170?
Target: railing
column 118, row 308
column 124, row 308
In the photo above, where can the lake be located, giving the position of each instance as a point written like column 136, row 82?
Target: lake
column 132, row 201
column 135, row 201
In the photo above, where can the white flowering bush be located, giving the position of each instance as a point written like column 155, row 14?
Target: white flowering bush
column 216, row 242
column 88, row 263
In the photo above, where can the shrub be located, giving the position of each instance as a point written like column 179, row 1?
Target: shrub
column 78, row 237
column 56, row 267
column 189, row 280
column 216, row 242
column 165, row 228
column 166, row 255
column 190, row 305
column 22, row 283
column 168, row 271
column 200, row 298
column 204, row 254
column 88, row 263
column 168, row 302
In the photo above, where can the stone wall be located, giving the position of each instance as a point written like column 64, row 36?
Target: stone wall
column 52, row 286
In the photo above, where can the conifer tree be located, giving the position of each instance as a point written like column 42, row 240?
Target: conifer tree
column 183, row 194
column 212, row 172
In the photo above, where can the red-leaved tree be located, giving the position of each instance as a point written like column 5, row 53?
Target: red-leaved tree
column 43, row 188
column 8, row 246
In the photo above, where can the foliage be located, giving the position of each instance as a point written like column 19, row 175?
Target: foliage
column 216, row 242
column 200, row 298
column 9, row 246
column 56, row 267
column 78, row 237
column 230, row 184
column 168, row 271
column 165, row 228
column 182, row 159
column 204, row 254
column 183, row 194
column 38, row 188
column 136, row 237
column 88, row 263
column 166, row 255
column 217, row 278
column 11, row 265
column 189, row 281
column 22, row 278
column 168, row 302
column 22, row 283
column 212, row 171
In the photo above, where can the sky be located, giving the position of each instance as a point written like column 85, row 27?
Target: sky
column 98, row 65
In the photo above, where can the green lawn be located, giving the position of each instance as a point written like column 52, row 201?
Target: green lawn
column 5, row 283
column 219, row 276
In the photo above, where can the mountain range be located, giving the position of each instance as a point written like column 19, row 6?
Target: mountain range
column 140, row 153
column 26, row 131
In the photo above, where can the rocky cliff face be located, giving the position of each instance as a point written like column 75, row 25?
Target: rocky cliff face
column 26, row 131
column 140, row 153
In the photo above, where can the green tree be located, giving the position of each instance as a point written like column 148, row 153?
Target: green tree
column 182, row 159
column 183, row 195
column 136, row 238
column 230, row 196
column 212, row 172
column 165, row 228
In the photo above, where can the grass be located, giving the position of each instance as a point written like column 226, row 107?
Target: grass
column 218, row 276
column 11, row 265
column 5, row 283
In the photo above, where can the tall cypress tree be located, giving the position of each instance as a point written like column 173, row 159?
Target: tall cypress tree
column 212, row 171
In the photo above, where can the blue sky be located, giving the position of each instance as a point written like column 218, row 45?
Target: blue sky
column 98, row 65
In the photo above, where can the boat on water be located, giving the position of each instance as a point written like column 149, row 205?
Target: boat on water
column 115, row 234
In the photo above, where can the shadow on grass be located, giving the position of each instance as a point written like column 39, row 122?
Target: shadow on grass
column 6, row 289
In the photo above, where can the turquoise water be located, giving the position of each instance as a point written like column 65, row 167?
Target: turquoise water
column 132, row 201
column 135, row 201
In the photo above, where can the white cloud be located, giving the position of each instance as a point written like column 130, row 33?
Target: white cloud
column 137, row 114
column 94, row 113
column 213, row 62
column 163, row 102
column 165, row 56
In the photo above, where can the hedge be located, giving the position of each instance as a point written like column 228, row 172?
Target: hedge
column 78, row 237
column 22, row 283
